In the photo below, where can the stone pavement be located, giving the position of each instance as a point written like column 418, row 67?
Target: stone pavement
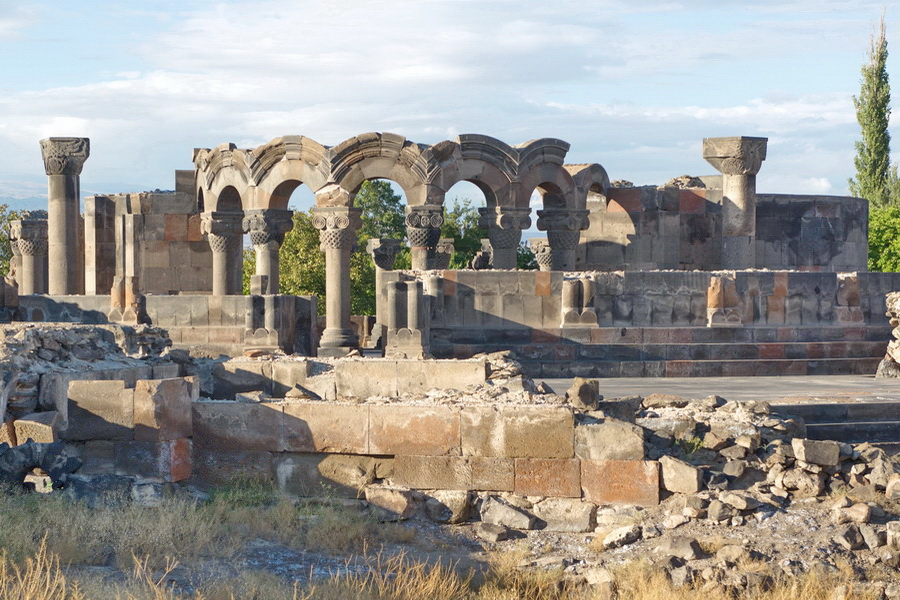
column 783, row 389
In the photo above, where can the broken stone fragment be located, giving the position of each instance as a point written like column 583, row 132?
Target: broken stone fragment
column 849, row 537
column 739, row 501
column 390, row 503
column 42, row 427
column 491, row 532
column 664, row 401
column 685, row 548
column 818, row 452
column 622, row 536
column 448, row 506
column 680, row 477
column 584, row 393
column 733, row 452
column 857, row 513
column 567, row 515
column 873, row 537
column 892, row 489
column 718, row 511
column 609, row 440
column 498, row 512
column 624, row 408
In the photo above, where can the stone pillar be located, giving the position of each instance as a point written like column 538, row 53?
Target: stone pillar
column 30, row 237
column 443, row 253
column 504, row 226
column 267, row 229
column 337, row 233
column 738, row 159
column 63, row 161
column 223, row 230
column 543, row 253
column 563, row 227
column 383, row 253
column 423, row 230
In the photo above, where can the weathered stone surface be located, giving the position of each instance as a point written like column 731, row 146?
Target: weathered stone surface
column 306, row 475
column 162, row 409
column 584, row 393
column 518, row 431
column 569, row 515
column 685, row 548
column 326, row 427
column 448, row 506
column 874, row 538
column 42, row 427
column 893, row 534
column 498, row 512
column 171, row 460
column 825, row 453
column 454, row 473
column 718, row 511
column 8, row 433
column 390, row 503
column 99, row 410
column 623, row 408
column 609, row 440
column 892, row 490
column 415, row 430
column 491, row 532
column 680, row 477
column 803, row 484
column 216, row 467
column 237, row 426
column 665, row 401
column 622, row 536
column 849, row 538
column 857, row 513
column 388, row 377
column 739, row 501
column 556, row 477
column 620, row 482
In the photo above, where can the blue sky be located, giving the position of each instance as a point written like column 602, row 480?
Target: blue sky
column 634, row 86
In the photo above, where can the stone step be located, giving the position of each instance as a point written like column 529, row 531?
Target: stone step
column 839, row 412
column 854, row 433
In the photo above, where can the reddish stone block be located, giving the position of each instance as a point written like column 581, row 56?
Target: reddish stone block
column 176, row 228
column 774, row 310
column 545, row 336
column 194, row 233
column 678, row 368
column 326, row 427
column 542, row 283
column 692, row 202
column 839, row 350
column 771, row 350
column 739, row 369
column 853, row 333
column 560, row 478
column 620, row 482
column 605, row 335
column 414, row 430
column 614, row 207
column 680, row 336
column 169, row 460
column 162, row 409
column 815, row 350
column 628, row 199
column 781, row 284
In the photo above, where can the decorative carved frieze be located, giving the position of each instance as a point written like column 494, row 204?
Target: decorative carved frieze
column 562, row 219
column 65, row 156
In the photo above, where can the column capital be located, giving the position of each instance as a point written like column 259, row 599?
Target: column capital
column 423, row 225
column 383, row 252
column 443, row 253
column 267, row 225
column 337, row 225
column 504, row 217
column 223, row 229
column 65, row 155
column 543, row 253
column 562, row 219
column 30, row 225
column 735, row 155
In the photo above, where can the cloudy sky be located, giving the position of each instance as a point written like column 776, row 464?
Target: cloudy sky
column 632, row 85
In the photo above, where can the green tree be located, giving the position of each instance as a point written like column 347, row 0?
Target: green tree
column 461, row 224
column 873, row 111
column 884, row 239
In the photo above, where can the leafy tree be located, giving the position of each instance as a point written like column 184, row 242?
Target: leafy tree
column 461, row 224
column 525, row 260
column 884, row 239
column 873, row 111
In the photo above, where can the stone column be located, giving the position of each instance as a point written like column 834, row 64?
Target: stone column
column 504, row 226
column 30, row 237
column 738, row 159
column 443, row 253
column 337, row 233
column 223, row 230
column 563, row 227
column 423, row 230
column 267, row 229
column 383, row 253
column 543, row 253
column 63, row 160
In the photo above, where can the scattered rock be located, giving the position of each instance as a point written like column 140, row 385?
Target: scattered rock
column 584, row 393
column 569, row 515
column 498, row 512
column 849, row 537
column 390, row 503
column 739, row 501
column 680, row 477
column 685, row 548
column 817, row 452
column 622, row 536
column 664, row 401
column 491, row 532
column 448, row 506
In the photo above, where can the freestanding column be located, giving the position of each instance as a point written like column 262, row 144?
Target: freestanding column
column 738, row 159
column 63, row 160
column 223, row 231
column 383, row 253
column 267, row 229
column 504, row 226
column 563, row 227
column 30, row 236
column 423, row 230
column 337, row 233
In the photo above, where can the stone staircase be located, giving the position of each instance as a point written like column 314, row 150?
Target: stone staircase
column 706, row 352
column 877, row 422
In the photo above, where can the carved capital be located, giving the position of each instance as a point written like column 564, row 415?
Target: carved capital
column 269, row 225
column 337, row 226
column 562, row 219
column 223, row 229
column 504, row 218
column 423, row 225
column 383, row 252
column 65, row 156
column 443, row 253
column 543, row 253
column 735, row 155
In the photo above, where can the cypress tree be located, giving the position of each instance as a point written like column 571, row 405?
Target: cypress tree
column 873, row 110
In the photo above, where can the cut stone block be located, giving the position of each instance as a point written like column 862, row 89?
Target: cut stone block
column 215, row 467
column 817, row 452
column 448, row 506
column 42, row 427
column 568, row 515
column 610, row 440
column 454, row 473
column 170, row 460
column 518, row 431
column 390, row 503
column 554, row 477
column 99, row 410
column 326, row 427
column 497, row 512
column 237, row 426
column 343, row 475
column 414, row 430
column 680, row 477
column 620, row 482
column 162, row 409
column 97, row 457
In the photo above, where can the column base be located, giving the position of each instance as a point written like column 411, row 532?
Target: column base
column 336, row 343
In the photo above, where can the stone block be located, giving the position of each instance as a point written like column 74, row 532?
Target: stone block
column 390, row 503
column 236, row 426
column 433, row 472
column 610, row 439
column 680, row 477
column 448, row 506
column 620, row 482
column 170, row 460
column 554, row 477
column 565, row 515
column 97, row 457
column 492, row 474
column 162, row 409
column 305, row 475
column 8, row 433
column 99, row 410
column 215, row 467
column 416, row 430
column 41, row 427
column 387, row 377
column 326, row 427
column 495, row 511
column 518, row 431
column 818, row 452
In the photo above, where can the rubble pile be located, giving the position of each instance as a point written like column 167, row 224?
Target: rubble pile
column 890, row 365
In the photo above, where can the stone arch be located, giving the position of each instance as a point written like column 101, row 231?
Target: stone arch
column 541, row 168
column 279, row 167
column 229, row 200
column 220, row 168
column 591, row 182
column 485, row 162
